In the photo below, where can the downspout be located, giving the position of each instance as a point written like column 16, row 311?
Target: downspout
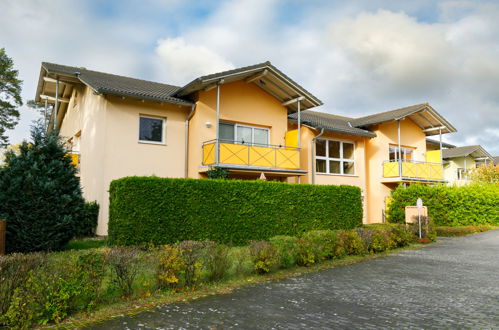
column 189, row 116
column 313, row 154
column 299, row 136
column 45, row 115
column 56, row 104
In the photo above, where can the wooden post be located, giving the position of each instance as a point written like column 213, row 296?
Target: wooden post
column 3, row 230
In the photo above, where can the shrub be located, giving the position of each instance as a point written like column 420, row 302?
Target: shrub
column 40, row 195
column 322, row 244
column 124, row 264
column 191, row 253
column 286, row 249
column 217, row 173
column 90, row 271
column 402, row 236
column 381, row 240
column 366, row 235
column 263, row 255
column 460, row 231
column 171, row 266
column 216, row 260
column 349, row 243
column 449, row 205
column 15, row 269
column 165, row 211
column 86, row 227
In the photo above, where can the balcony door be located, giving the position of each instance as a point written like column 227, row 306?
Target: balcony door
column 244, row 134
column 406, row 153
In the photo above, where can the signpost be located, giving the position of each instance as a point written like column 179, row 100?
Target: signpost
column 419, row 204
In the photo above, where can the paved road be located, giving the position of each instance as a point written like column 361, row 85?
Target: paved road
column 454, row 284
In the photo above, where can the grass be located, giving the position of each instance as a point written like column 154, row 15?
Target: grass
column 86, row 243
column 448, row 231
column 146, row 301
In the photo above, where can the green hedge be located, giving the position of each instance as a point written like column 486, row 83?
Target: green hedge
column 449, row 205
column 160, row 211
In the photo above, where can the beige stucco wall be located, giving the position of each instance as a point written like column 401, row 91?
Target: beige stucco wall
column 240, row 102
column 109, row 147
column 450, row 169
column 377, row 151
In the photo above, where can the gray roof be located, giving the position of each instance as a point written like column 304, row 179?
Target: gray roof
column 266, row 76
column 422, row 114
column 329, row 122
column 437, row 143
column 474, row 151
column 496, row 160
column 105, row 83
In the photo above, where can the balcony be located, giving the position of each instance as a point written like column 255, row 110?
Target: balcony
column 251, row 156
column 412, row 171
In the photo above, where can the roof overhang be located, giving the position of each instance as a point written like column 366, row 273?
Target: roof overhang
column 430, row 121
column 267, row 77
column 478, row 153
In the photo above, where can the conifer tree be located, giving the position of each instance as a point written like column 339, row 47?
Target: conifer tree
column 40, row 196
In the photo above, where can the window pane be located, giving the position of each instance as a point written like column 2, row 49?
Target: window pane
column 243, row 134
column 151, row 129
column 347, row 151
column 320, row 148
column 334, row 149
column 393, row 153
column 334, row 167
column 261, row 136
column 226, row 131
column 407, row 154
column 320, row 165
column 348, row 168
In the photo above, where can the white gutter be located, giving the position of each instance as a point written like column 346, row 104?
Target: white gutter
column 189, row 116
column 313, row 154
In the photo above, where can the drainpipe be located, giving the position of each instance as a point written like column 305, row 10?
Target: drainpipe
column 299, row 136
column 400, row 149
column 56, row 104
column 313, row 154
column 189, row 116
column 45, row 115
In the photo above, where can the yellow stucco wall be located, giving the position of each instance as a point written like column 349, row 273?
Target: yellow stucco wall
column 109, row 146
column 240, row 102
column 450, row 169
column 377, row 151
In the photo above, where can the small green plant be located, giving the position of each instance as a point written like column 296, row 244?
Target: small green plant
column 348, row 242
column 264, row 256
column 286, row 249
column 381, row 240
column 216, row 260
column 322, row 244
column 191, row 253
column 171, row 266
column 217, row 173
column 124, row 264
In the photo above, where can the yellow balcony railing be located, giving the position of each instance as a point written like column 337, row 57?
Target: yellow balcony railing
column 250, row 155
column 413, row 170
column 75, row 159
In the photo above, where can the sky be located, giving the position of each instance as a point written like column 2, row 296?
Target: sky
column 358, row 57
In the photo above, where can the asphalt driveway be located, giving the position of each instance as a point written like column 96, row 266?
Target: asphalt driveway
column 454, row 284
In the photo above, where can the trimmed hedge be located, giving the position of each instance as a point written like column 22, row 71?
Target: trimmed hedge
column 162, row 211
column 449, row 205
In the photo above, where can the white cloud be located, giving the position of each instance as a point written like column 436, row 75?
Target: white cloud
column 187, row 61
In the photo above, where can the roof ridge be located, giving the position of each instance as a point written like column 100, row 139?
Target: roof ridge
column 388, row 111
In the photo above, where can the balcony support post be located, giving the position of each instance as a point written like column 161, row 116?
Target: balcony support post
column 45, row 115
column 217, row 144
column 440, row 138
column 299, row 135
column 56, row 104
column 399, row 149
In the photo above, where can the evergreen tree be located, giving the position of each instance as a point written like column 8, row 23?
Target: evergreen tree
column 40, row 196
column 10, row 96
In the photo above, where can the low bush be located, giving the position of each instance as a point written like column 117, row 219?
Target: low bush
column 264, row 256
column 171, row 267
column 286, row 249
column 216, row 260
column 86, row 227
column 381, row 240
column 191, row 254
column 124, row 262
column 446, row 231
column 348, row 243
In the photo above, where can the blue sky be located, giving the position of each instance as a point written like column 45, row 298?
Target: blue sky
column 359, row 57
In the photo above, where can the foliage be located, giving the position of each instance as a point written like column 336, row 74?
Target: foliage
column 263, row 255
column 40, row 196
column 381, row 240
column 217, row 173
column 191, row 254
column 286, row 247
column 486, row 174
column 449, row 205
column 10, row 96
column 124, row 262
column 348, row 242
column 86, row 227
column 165, row 211
column 321, row 244
column 171, row 266
column 446, row 231
column 216, row 260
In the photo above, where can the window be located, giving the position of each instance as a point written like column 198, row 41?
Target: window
column 461, row 174
column 334, row 157
column 152, row 130
column 244, row 134
column 406, row 153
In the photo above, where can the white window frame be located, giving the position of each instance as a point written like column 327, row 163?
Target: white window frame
column 462, row 173
column 252, row 133
column 403, row 151
column 341, row 159
column 163, row 130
